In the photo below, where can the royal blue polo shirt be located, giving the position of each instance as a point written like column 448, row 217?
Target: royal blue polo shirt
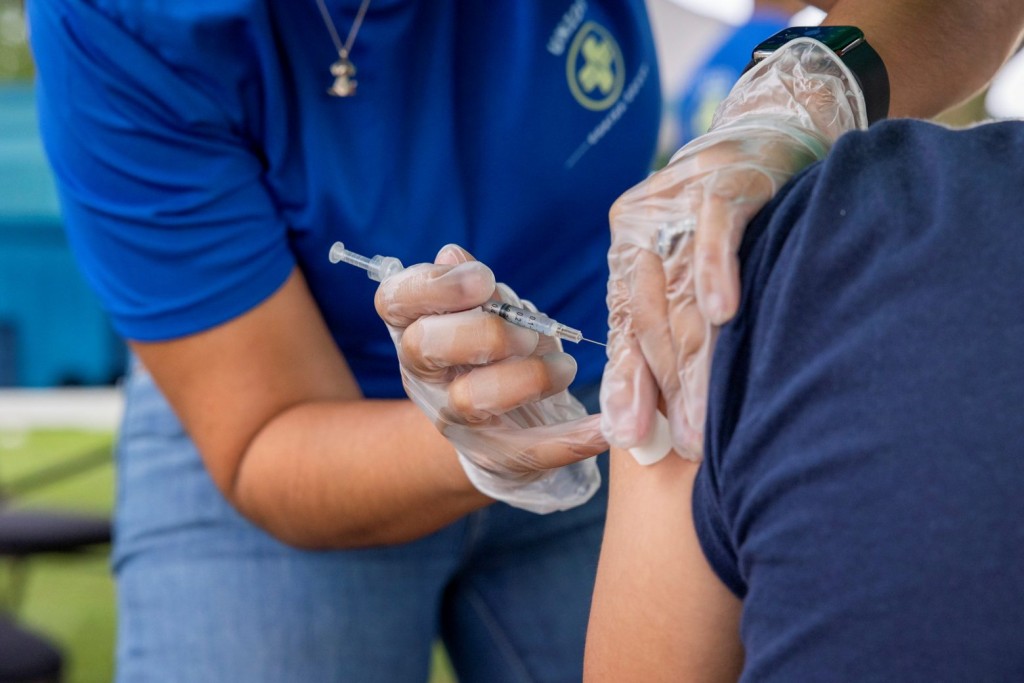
column 200, row 159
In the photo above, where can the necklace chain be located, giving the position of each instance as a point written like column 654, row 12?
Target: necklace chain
column 343, row 50
column 343, row 70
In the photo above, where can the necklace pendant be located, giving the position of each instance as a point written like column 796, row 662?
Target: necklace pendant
column 344, row 72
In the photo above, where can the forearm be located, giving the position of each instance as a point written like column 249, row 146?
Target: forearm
column 937, row 54
column 288, row 438
column 335, row 474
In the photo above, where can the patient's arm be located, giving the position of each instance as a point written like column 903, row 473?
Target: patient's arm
column 659, row 612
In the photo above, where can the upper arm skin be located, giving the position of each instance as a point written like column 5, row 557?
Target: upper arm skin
column 659, row 612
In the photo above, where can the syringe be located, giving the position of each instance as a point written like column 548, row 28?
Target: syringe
column 379, row 267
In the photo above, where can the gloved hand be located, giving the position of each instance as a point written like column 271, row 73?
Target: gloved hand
column 496, row 391
column 674, row 269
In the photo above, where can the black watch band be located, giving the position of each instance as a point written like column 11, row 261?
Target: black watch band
column 848, row 43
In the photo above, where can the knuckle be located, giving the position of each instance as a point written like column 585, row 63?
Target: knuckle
column 382, row 302
column 707, row 256
column 536, row 378
column 411, row 347
column 691, row 341
column 617, row 209
column 461, row 405
column 494, row 335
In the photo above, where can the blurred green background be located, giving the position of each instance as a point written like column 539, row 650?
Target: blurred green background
column 15, row 62
column 70, row 599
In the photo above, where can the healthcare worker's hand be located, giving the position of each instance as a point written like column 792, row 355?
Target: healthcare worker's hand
column 497, row 392
column 674, row 268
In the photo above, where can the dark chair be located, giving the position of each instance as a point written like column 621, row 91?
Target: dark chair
column 29, row 532
column 26, row 532
column 26, row 657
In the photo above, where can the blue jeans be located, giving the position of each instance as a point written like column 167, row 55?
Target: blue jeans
column 203, row 595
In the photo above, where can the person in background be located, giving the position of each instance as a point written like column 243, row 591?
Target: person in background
column 701, row 57
column 683, row 39
column 713, row 79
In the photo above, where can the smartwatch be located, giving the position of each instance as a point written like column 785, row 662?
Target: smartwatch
column 848, row 43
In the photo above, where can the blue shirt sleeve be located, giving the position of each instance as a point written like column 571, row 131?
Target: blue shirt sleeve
column 161, row 188
column 864, row 460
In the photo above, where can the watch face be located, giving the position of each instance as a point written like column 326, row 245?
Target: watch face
column 839, row 39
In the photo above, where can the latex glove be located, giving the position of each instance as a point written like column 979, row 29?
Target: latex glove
column 497, row 392
column 674, row 269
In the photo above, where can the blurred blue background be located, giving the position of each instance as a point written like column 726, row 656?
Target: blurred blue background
column 52, row 330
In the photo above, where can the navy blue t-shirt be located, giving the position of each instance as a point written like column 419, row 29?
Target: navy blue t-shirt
column 199, row 157
column 862, row 488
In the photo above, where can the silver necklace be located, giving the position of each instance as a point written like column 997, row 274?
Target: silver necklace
column 343, row 70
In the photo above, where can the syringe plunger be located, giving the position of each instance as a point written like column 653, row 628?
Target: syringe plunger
column 377, row 268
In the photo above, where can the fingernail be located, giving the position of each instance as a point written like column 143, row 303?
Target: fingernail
column 474, row 277
column 451, row 254
column 715, row 307
column 561, row 367
column 470, row 267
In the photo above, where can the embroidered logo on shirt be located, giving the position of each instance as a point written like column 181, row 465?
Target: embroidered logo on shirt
column 594, row 67
column 596, row 73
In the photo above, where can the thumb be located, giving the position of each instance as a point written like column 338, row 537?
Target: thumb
column 565, row 443
column 452, row 255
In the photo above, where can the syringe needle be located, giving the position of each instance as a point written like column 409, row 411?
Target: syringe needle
column 593, row 342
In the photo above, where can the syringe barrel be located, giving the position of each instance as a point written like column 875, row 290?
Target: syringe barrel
column 531, row 320
column 520, row 317
column 382, row 267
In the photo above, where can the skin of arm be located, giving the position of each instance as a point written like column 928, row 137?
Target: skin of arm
column 659, row 612
column 289, row 440
column 938, row 54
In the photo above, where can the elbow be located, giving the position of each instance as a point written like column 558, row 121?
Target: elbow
column 306, row 527
column 340, row 536
column 289, row 526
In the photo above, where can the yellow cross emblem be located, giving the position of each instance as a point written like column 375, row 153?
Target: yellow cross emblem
column 597, row 71
column 594, row 67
